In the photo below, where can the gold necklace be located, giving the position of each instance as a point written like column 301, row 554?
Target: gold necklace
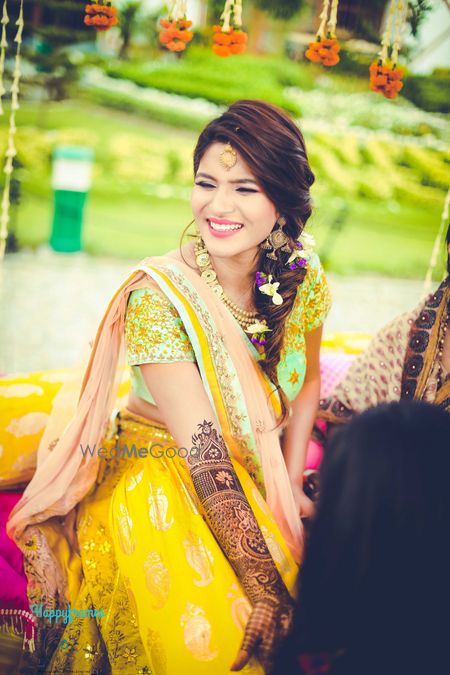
column 207, row 272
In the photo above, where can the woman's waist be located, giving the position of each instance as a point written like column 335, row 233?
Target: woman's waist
column 127, row 425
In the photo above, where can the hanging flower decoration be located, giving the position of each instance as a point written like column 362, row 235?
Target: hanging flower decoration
column 176, row 35
column 228, row 38
column 385, row 74
column 101, row 15
column 325, row 49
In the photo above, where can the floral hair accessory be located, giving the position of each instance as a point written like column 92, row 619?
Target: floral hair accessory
column 269, row 287
column 258, row 329
column 302, row 252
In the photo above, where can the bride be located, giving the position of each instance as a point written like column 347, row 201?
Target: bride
column 181, row 526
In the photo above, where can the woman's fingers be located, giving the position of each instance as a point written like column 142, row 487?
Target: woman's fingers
column 252, row 637
column 241, row 660
column 306, row 506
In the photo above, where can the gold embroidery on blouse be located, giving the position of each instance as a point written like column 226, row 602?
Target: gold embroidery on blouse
column 157, row 579
column 154, row 331
column 311, row 306
column 293, row 379
column 199, row 558
column 198, row 633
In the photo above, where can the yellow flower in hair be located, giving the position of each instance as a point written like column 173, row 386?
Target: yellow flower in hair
column 271, row 289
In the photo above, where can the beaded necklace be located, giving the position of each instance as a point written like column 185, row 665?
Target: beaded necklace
column 207, row 272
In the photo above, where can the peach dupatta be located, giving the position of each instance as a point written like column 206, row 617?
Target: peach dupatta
column 64, row 475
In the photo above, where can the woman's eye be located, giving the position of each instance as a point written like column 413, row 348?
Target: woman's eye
column 203, row 184
column 208, row 186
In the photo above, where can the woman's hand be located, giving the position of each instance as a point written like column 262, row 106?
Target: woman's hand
column 304, row 504
column 269, row 622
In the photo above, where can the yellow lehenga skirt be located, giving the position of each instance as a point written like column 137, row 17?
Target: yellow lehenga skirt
column 171, row 602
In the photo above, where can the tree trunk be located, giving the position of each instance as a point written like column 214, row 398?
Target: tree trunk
column 256, row 26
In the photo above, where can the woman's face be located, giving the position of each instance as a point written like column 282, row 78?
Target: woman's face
column 232, row 212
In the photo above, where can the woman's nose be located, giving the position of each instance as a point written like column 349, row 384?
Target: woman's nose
column 221, row 202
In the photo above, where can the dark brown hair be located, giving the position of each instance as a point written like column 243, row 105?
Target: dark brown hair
column 273, row 147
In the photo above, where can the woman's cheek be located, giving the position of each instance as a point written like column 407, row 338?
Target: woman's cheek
column 198, row 201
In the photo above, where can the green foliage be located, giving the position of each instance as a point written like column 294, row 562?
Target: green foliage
column 355, row 63
column 175, row 117
column 393, row 191
column 280, row 9
column 417, row 12
column 196, row 76
column 128, row 22
column 429, row 92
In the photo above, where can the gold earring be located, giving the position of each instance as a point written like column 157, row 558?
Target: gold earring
column 197, row 235
column 277, row 239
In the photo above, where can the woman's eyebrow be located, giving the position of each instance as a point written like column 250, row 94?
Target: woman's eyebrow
column 239, row 180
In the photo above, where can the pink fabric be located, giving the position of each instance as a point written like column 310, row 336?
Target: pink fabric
column 333, row 368
column 13, row 591
column 64, row 476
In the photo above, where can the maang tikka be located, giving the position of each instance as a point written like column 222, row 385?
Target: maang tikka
column 277, row 239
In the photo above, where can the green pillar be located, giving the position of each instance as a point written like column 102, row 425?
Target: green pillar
column 71, row 180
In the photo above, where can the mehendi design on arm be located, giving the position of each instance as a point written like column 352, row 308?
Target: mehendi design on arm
column 231, row 517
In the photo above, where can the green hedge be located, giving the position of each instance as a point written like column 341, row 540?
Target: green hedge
column 429, row 92
column 199, row 76
column 152, row 111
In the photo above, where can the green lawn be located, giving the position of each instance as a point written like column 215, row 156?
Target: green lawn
column 390, row 236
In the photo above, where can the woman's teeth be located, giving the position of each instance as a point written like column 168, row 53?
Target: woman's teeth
column 223, row 228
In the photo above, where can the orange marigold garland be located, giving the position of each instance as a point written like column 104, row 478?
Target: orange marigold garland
column 101, row 15
column 385, row 74
column 228, row 38
column 176, row 35
column 326, row 48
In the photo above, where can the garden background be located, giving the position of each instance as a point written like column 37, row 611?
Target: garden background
column 382, row 166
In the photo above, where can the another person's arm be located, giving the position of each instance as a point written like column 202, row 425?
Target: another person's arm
column 179, row 393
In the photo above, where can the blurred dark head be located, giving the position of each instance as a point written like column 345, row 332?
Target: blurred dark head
column 377, row 567
column 447, row 239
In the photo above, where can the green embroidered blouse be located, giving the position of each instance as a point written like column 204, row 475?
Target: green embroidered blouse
column 154, row 331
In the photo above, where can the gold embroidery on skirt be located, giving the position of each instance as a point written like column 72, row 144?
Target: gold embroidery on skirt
column 134, row 480
column 197, row 633
column 261, row 502
column 276, row 551
column 158, row 506
column 240, row 607
column 131, row 598
column 157, row 579
column 157, row 653
column 125, row 524
column 199, row 558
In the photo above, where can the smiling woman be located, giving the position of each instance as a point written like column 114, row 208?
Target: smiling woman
column 193, row 558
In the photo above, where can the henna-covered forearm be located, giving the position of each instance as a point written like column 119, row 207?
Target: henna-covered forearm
column 231, row 517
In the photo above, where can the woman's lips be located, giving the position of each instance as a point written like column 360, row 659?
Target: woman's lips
column 225, row 232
